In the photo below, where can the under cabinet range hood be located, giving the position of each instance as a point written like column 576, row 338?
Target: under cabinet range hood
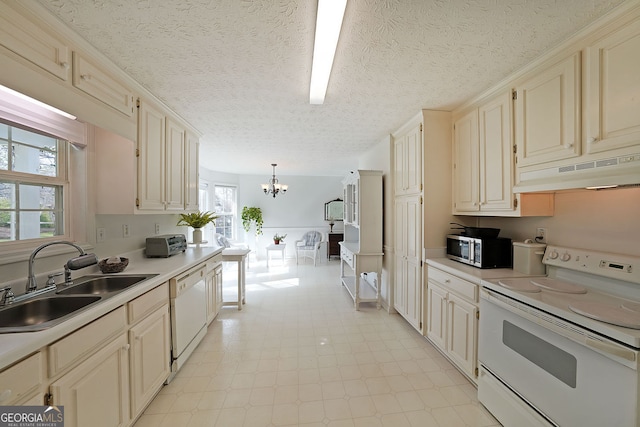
column 605, row 172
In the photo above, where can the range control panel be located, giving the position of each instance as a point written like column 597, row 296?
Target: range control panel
column 615, row 266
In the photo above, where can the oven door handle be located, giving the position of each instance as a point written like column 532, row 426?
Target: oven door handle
column 574, row 334
column 611, row 349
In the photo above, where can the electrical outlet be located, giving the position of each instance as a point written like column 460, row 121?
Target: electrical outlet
column 125, row 230
column 157, row 229
column 541, row 235
column 101, row 234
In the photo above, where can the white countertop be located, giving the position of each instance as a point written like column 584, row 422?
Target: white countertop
column 15, row 346
column 472, row 274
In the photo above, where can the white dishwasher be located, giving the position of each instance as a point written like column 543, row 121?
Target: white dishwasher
column 188, row 315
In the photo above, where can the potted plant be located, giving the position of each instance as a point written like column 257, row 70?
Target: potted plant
column 197, row 220
column 249, row 215
column 277, row 238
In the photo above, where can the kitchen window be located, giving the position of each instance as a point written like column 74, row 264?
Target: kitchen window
column 226, row 209
column 32, row 184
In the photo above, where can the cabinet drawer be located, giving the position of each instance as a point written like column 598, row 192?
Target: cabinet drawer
column 146, row 303
column 92, row 80
column 347, row 256
column 71, row 349
column 18, row 381
column 213, row 262
column 454, row 284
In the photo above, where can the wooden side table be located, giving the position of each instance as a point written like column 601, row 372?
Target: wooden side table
column 333, row 248
column 281, row 247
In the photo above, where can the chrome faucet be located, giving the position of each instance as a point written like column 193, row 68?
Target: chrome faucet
column 84, row 260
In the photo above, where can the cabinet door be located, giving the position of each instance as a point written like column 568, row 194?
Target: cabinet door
column 611, row 91
column 149, row 358
column 218, row 283
column 192, row 182
column 461, row 334
column 91, row 78
column 175, row 173
column 95, row 393
column 437, row 315
column 35, row 43
column 23, row 382
column 496, row 155
column 465, row 163
column 210, row 292
column 151, row 158
column 408, row 162
column 548, row 114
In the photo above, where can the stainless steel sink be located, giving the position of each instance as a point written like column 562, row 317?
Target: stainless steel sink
column 100, row 285
column 42, row 313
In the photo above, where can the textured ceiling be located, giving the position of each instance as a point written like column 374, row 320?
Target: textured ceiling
column 238, row 70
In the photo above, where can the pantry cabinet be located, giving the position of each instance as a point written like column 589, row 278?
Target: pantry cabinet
column 408, row 161
column 408, row 263
column 452, row 319
column 611, row 101
column 484, row 163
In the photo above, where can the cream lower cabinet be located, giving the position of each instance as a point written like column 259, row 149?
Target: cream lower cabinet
column 452, row 319
column 214, row 287
column 21, row 384
column 149, row 355
column 96, row 392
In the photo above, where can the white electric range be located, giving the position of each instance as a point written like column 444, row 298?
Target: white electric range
column 564, row 349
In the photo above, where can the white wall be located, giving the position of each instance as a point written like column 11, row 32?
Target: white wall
column 300, row 209
column 605, row 220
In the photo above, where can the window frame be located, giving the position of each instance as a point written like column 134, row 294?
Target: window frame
column 234, row 215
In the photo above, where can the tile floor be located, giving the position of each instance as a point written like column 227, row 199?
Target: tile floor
column 298, row 354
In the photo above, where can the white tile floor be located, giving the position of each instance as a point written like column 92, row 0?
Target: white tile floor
column 298, row 354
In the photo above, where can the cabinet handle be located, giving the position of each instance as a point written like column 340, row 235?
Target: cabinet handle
column 447, row 281
column 126, row 347
column 592, row 140
column 85, row 76
column 64, row 65
column 5, row 395
column 569, row 145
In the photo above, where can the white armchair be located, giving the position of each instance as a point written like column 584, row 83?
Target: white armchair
column 309, row 246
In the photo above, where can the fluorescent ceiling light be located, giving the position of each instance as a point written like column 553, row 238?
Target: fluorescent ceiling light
column 36, row 102
column 328, row 25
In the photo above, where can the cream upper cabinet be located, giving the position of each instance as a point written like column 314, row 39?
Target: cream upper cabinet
column 175, row 165
column 612, row 90
column 483, row 165
column 548, row 113
column 151, row 157
column 408, row 161
column 89, row 76
column 191, row 174
column 20, row 33
column 466, row 168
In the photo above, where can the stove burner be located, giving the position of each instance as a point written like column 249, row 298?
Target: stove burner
column 521, row 285
column 607, row 313
column 559, row 286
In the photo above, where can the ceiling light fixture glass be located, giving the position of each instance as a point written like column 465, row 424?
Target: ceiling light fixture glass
column 273, row 187
column 328, row 25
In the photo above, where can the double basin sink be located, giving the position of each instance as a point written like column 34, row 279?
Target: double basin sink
column 54, row 307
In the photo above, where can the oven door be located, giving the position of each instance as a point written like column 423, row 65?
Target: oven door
column 567, row 374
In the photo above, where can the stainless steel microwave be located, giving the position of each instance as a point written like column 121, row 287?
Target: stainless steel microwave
column 480, row 252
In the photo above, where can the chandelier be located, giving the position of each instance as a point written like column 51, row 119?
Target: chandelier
column 273, row 187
